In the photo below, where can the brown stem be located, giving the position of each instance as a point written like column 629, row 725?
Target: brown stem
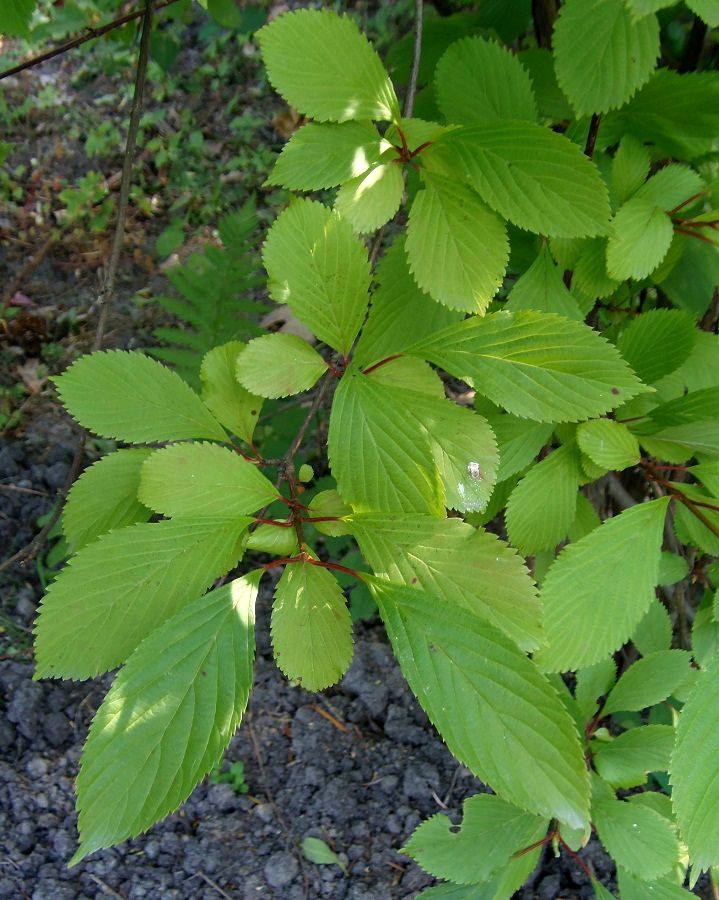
column 544, row 12
column 575, row 856
column 89, row 35
column 416, row 55
column 592, row 135
column 687, row 202
column 382, row 362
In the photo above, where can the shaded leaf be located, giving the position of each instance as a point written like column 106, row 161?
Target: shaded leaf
column 648, row 681
column 657, row 343
column 231, row 404
column 627, row 760
column 541, row 287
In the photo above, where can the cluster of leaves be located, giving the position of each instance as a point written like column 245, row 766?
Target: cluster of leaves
column 534, row 202
column 217, row 303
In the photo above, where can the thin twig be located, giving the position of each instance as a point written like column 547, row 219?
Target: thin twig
column 592, row 135
column 108, row 288
column 414, row 74
column 33, row 548
column 294, row 447
column 212, row 884
column 89, row 35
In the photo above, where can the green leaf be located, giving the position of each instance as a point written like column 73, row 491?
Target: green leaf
column 168, row 717
column 319, row 268
column 318, row 852
column 586, row 519
column 319, row 156
column 15, row 18
column 311, row 626
column 541, row 287
column 325, row 67
column 456, row 247
column 679, row 113
column 600, row 892
column 666, row 888
column 637, row 838
column 233, row 406
column 654, row 632
column 598, row 590
column 105, row 497
column 537, row 179
column 494, row 710
column 477, row 81
column 623, row 51
column 657, row 342
column 279, row 365
column 690, row 529
column 639, row 240
column 542, row 507
column 518, row 442
column 627, row 760
column 672, row 568
column 463, row 566
column 123, row 586
column 594, row 682
column 408, row 374
column 126, row 395
column 609, row 444
column 590, row 272
column 381, row 460
column 203, row 480
column 695, row 788
column 551, row 102
column 372, row 199
column 671, row 186
column 329, row 503
column 707, row 10
column 630, row 168
column 401, row 314
column 448, row 851
column 536, row 365
column 648, row 681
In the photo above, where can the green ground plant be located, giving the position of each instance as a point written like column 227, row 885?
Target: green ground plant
column 542, row 557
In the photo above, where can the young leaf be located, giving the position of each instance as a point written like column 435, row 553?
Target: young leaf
column 127, row 395
column 477, row 81
column 609, row 444
column 325, row 67
column 598, row 590
column 488, row 822
column 105, row 497
column 626, row 761
column 279, row 365
column 496, row 713
column 518, row 442
column 657, row 342
column 456, row 247
column 695, row 788
column 168, row 717
column 542, row 507
column 411, row 375
column 537, row 179
column 231, row 404
column 319, row 155
column 319, row 268
column 648, row 681
column 311, row 626
column 381, row 460
column 457, row 563
column 401, row 314
column 593, row 683
column 639, row 839
column 536, row 365
column 198, row 480
column 318, row 852
column 623, row 51
column 123, row 586
column 370, row 200
column 541, row 288
column 329, row 503
column 654, row 632
column 639, row 240
column 630, row 168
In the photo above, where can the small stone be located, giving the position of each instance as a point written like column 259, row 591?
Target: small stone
column 281, row 869
column 264, row 812
column 36, row 767
column 56, row 728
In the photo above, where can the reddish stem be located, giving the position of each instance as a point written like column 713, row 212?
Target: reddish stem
column 274, row 522
column 382, row 362
column 336, row 567
column 419, row 149
column 286, row 560
column 549, row 836
column 673, row 212
column 321, row 518
column 576, row 857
